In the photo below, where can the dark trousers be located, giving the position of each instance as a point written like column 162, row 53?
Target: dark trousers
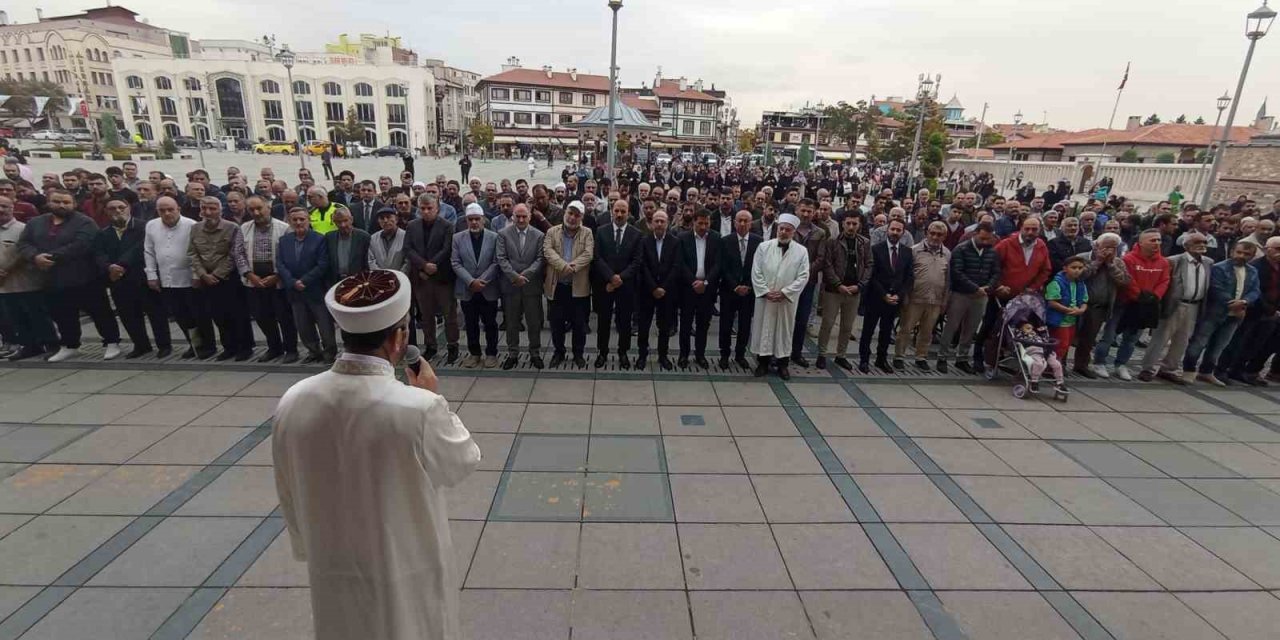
column 1250, row 346
column 274, row 316
column 882, row 314
column 665, row 310
column 987, row 343
column 1087, row 328
column 65, row 305
column 328, row 170
column 475, row 311
column 29, row 319
column 181, row 303
column 567, row 312
column 742, row 309
column 314, row 324
column 137, row 305
column 222, row 304
column 695, row 320
column 803, row 309
column 614, row 309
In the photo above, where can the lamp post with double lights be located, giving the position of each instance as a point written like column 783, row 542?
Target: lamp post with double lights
column 614, row 5
column 287, row 58
column 191, row 112
column 1257, row 24
column 1013, row 150
column 1224, row 101
column 926, row 91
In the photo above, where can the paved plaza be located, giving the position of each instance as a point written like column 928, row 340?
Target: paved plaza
column 137, row 501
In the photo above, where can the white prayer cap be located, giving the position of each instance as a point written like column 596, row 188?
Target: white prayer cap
column 789, row 218
column 559, row 186
column 369, row 301
column 418, row 183
column 474, row 209
column 577, row 204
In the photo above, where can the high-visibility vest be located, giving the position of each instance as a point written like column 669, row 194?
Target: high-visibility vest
column 322, row 221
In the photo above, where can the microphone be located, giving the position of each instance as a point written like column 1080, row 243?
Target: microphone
column 413, row 359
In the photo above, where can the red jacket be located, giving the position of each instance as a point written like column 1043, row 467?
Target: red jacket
column 1146, row 274
column 1015, row 272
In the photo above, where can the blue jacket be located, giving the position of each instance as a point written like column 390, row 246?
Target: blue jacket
column 1222, row 288
column 311, row 265
column 1074, row 294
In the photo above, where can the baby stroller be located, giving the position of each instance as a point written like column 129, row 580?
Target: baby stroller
column 1014, row 345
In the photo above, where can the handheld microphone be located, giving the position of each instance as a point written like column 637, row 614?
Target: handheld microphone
column 413, row 359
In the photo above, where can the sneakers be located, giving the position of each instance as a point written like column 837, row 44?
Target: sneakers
column 65, row 353
column 1211, row 379
column 470, row 362
column 1100, row 371
column 1171, row 377
column 1122, row 372
column 111, row 352
column 490, row 362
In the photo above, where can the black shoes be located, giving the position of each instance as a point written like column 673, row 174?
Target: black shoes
column 270, row 355
column 290, row 357
column 664, row 362
column 452, row 356
column 784, row 373
column 724, row 362
column 761, row 370
column 964, row 367
column 557, row 359
column 683, row 362
column 601, row 360
column 942, row 366
column 536, row 361
column 899, row 364
column 923, row 365
column 164, row 352
column 510, row 362
column 884, row 365
column 313, row 358
column 623, row 362
column 844, row 364
column 863, row 368
column 137, row 352
column 580, row 362
column 26, row 352
column 702, row 362
column 429, row 353
column 800, row 361
column 821, row 362
column 225, row 355
column 241, row 356
column 742, row 362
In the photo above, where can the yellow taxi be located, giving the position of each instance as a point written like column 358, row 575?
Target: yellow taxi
column 274, row 147
column 316, row 148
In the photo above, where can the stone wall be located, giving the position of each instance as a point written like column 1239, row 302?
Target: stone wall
column 1251, row 170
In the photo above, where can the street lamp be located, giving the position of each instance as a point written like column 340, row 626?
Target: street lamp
column 614, row 5
column 1224, row 101
column 925, row 92
column 187, row 82
column 287, row 58
column 1257, row 23
column 1013, row 149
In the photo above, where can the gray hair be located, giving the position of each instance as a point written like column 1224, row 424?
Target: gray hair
column 317, row 189
column 1108, row 238
column 428, row 198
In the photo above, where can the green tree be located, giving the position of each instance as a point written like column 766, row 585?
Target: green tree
column 1128, row 156
column 351, row 130
column 167, row 146
column 899, row 149
column 933, row 153
column 22, row 103
column 1166, row 158
column 1182, row 119
column 1199, row 120
column 481, row 134
column 851, row 122
column 989, row 137
column 747, row 140
column 1152, row 119
column 109, row 133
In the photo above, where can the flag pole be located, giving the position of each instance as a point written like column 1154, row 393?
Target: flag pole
column 1112, row 121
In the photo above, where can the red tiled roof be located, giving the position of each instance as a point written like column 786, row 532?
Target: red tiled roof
column 1047, row 141
column 1165, row 134
column 558, row 80
column 888, row 123
column 643, row 104
column 671, row 89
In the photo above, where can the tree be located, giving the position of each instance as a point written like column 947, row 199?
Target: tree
column 850, row 123
column 1182, row 119
column 351, row 130
column 109, row 133
column 989, row 137
column 167, row 146
column 22, row 103
column 1199, row 120
column 899, row 149
column 747, row 140
column 1128, row 156
column 481, row 134
column 933, row 153
column 1152, row 119
column 1166, row 158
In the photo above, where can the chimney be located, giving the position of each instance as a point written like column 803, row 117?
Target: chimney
column 1135, row 122
column 546, row 68
column 4, row 19
column 512, row 63
column 573, row 74
column 697, row 86
column 39, row 14
column 684, row 83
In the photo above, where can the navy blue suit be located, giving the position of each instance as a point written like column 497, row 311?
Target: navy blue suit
column 310, row 266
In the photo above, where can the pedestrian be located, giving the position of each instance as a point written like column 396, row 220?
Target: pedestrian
column 779, row 275
column 474, row 260
column 927, row 297
column 1067, row 298
column 326, row 161
column 892, row 271
column 613, row 276
column 521, row 262
column 737, row 300
column 302, row 261
column 1233, row 289
column 1190, row 275
column 568, row 250
column 21, row 301
column 846, row 270
column 118, row 251
column 465, row 165
column 268, row 302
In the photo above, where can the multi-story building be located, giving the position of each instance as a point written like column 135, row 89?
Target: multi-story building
column 533, row 99
column 78, row 53
column 457, row 102
column 373, row 49
column 686, row 113
column 238, row 89
column 787, row 131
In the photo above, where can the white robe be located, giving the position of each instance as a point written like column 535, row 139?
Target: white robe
column 773, row 322
column 360, row 460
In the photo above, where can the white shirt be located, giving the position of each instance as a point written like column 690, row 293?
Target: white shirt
column 1241, row 274
column 726, row 225
column 1197, row 280
column 700, row 251
column 165, row 251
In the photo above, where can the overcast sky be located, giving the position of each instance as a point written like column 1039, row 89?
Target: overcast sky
column 1062, row 58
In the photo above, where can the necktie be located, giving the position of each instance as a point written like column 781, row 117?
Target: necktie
column 893, row 257
column 617, row 236
column 521, row 242
column 742, row 250
column 1195, row 290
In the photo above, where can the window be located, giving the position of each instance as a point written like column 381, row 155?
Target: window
column 396, row 114
column 688, row 107
column 4, row 58
column 523, row 95
column 144, row 129
column 365, row 112
column 499, row 94
column 523, row 117
column 364, row 89
column 109, row 79
column 230, row 96
column 172, row 130
column 566, row 97
column 301, row 87
column 275, row 133
column 304, row 112
column 269, row 86
column 501, row 117
column 396, row 91
column 168, row 107
column 164, row 84
column 28, row 54
column 399, row 139
column 543, row 97
column 565, row 118
column 708, row 108
column 332, row 89
column 544, row 119
column 46, row 76
column 191, row 84
column 688, row 127
column 669, row 104
column 271, row 110
column 666, row 125
column 333, row 112
column 40, row 54
column 588, row 99
column 195, row 106
column 704, row 128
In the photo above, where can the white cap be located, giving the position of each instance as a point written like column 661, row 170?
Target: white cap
column 418, row 183
column 789, row 218
column 474, row 209
column 559, row 185
column 389, row 292
column 577, row 204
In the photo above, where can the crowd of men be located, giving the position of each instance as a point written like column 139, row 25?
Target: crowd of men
column 765, row 251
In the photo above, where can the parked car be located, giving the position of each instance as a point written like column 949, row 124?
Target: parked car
column 47, row 134
column 710, row 159
column 80, row 134
column 275, row 147
column 358, row 149
column 244, row 144
column 317, row 147
column 185, row 142
column 664, row 158
column 389, row 150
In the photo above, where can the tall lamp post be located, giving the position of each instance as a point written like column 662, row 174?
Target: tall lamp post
column 924, row 93
column 287, row 58
column 1257, row 24
column 1224, row 101
column 1013, row 150
column 187, row 82
column 614, row 5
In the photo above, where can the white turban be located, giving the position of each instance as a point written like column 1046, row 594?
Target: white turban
column 789, row 218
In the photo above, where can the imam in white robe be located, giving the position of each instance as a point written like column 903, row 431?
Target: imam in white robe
column 773, row 270
column 360, row 461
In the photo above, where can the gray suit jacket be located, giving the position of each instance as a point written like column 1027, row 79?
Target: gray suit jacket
column 467, row 266
column 1180, row 286
column 513, row 261
column 383, row 257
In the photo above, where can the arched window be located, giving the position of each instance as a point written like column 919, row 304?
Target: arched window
column 332, row 89
column 191, row 84
column 202, row 132
column 307, row 134
column 395, row 91
column 144, row 129
column 102, row 55
column 364, row 89
column 269, row 86
column 301, row 87
column 164, row 84
column 230, row 97
column 399, row 138
column 171, row 129
column 133, row 82
column 168, row 107
column 370, row 138
column 275, row 133
column 93, row 55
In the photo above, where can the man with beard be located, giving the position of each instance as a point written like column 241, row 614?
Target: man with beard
column 217, row 253
column 975, row 271
column 118, row 251
column 765, row 227
column 568, row 250
column 779, row 273
column 846, row 269
column 474, row 259
column 1188, row 291
column 543, row 212
column 891, row 276
column 267, row 300
column 1233, row 289
column 614, row 270
column 700, row 262
column 21, row 300
column 95, row 205
column 812, row 236
column 657, row 295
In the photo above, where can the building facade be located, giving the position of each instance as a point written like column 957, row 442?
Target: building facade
column 687, row 113
column 534, row 99
column 787, row 131
column 78, row 53
column 457, row 102
column 251, row 98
